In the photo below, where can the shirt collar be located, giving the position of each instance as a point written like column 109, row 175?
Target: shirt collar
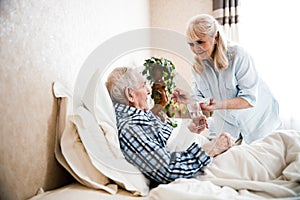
column 129, row 109
column 122, row 109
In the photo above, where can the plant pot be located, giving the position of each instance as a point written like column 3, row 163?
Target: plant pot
column 159, row 94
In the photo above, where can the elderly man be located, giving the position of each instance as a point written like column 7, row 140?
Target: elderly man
column 143, row 135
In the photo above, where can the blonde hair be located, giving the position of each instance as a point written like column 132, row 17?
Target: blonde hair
column 201, row 25
column 120, row 79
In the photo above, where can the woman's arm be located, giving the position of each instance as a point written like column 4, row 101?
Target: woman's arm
column 234, row 103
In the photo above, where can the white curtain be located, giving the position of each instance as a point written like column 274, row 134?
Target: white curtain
column 226, row 12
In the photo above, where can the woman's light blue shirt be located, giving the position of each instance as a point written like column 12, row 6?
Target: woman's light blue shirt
column 240, row 79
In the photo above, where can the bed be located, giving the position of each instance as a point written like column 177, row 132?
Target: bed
column 87, row 147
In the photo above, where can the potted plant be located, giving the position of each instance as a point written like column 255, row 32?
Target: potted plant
column 160, row 72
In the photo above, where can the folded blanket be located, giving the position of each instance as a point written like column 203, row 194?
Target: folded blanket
column 267, row 168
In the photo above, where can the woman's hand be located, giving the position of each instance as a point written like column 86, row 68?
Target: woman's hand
column 212, row 105
column 218, row 145
column 180, row 96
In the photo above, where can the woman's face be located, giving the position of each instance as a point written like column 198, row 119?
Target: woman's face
column 203, row 46
column 140, row 96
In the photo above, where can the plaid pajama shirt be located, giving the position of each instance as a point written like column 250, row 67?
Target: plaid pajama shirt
column 143, row 137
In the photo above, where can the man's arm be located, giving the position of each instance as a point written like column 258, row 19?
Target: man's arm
column 156, row 161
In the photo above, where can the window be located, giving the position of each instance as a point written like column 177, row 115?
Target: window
column 269, row 31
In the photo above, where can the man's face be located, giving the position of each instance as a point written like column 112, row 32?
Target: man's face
column 140, row 96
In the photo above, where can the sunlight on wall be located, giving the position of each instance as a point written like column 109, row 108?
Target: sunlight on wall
column 269, row 31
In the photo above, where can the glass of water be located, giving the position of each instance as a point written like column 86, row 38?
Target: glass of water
column 195, row 112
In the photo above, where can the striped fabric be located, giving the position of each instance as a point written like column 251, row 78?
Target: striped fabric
column 143, row 138
column 226, row 12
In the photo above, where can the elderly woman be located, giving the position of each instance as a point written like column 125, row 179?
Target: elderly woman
column 225, row 73
column 143, row 135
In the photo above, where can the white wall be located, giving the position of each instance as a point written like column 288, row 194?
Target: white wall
column 174, row 15
column 42, row 42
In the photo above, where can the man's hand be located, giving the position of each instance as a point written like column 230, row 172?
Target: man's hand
column 198, row 124
column 218, row 145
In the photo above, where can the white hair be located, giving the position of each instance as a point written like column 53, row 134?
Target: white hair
column 120, row 79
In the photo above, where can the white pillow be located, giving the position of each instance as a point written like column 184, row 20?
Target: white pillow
column 97, row 100
column 105, row 157
column 69, row 150
column 102, row 147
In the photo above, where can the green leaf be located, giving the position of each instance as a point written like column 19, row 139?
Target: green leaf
column 168, row 74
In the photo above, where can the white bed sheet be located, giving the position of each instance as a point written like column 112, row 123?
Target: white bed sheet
column 76, row 191
column 266, row 169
